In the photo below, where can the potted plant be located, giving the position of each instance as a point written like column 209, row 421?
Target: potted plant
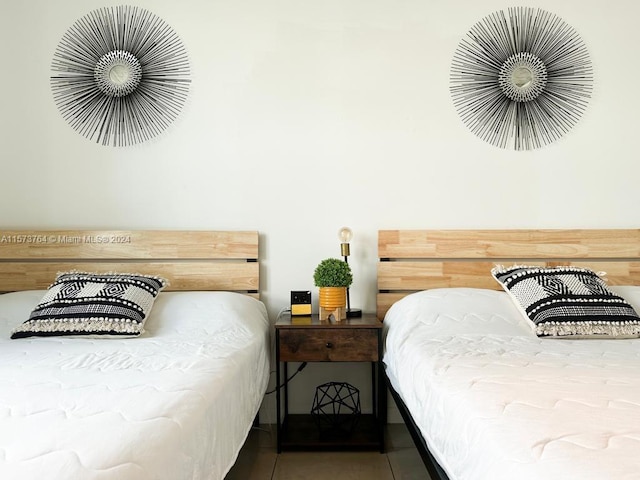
column 332, row 276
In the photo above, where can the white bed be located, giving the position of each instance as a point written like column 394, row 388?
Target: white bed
column 176, row 402
column 494, row 401
column 482, row 394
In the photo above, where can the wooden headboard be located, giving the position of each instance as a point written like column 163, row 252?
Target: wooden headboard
column 190, row 260
column 413, row 260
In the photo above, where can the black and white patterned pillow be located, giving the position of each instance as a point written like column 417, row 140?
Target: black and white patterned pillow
column 568, row 302
column 83, row 303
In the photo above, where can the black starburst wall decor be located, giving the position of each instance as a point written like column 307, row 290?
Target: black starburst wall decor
column 120, row 75
column 521, row 79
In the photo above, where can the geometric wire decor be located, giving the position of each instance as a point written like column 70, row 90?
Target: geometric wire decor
column 521, row 79
column 121, row 75
column 336, row 407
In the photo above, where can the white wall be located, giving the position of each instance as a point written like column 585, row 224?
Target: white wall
column 305, row 116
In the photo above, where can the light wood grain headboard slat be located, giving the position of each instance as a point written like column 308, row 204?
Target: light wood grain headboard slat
column 413, row 260
column 190, row 260
column 149, row 244
column 616, row 243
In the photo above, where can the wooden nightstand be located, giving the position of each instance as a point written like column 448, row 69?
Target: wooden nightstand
column 307, row 339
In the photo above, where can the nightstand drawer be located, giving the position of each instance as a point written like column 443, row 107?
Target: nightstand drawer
column 328, row 345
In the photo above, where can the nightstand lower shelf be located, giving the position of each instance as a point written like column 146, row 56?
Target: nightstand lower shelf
column 301, row 432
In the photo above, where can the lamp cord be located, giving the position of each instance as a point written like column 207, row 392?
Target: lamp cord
column 300, row 368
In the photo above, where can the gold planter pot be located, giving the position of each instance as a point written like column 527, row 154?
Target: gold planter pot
column 332, row 301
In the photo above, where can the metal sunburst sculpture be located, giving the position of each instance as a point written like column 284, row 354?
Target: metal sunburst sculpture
column 120, row 75
column 521, row 79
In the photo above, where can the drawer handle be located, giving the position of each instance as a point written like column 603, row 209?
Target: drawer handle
column 329, row 345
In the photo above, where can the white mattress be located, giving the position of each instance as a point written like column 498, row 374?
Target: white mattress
column 175, row 403
column 493, row 401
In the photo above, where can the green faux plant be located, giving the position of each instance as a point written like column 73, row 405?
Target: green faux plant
column 332, row 272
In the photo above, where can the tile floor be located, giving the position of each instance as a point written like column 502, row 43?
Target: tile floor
column 258, row 460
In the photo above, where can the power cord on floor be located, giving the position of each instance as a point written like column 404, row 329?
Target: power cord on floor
column 300, row 368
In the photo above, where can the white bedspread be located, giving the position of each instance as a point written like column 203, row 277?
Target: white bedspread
column 175, row 403
column 493, row 401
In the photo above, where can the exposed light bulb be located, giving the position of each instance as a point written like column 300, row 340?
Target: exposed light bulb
column 345, row 235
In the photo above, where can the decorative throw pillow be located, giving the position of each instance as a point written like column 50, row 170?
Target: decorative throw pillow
column 568, row 302
column 82, row 303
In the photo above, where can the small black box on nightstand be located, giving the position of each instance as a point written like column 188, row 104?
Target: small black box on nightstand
column 300, row 302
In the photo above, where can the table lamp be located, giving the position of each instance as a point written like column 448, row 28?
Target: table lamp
column 345, row 235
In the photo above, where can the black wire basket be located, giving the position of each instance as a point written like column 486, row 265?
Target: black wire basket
column 336, row 408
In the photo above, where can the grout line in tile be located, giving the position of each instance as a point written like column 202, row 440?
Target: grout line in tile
column 273, row 471
column 390, row 466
